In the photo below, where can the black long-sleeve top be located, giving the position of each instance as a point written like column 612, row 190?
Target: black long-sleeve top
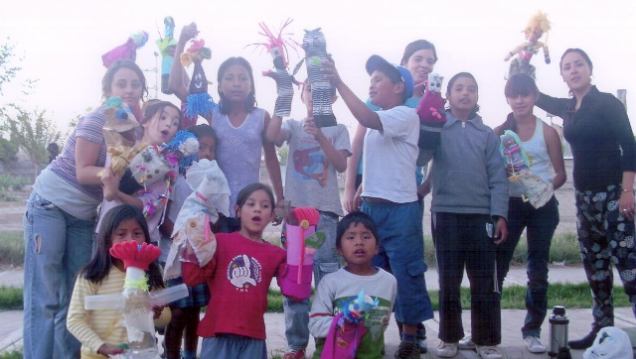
column 600, row 136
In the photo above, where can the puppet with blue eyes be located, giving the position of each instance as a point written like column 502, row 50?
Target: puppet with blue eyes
column 119, row 134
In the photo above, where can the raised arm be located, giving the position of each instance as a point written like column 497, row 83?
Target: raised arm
column 178, row 75
column 553, row 105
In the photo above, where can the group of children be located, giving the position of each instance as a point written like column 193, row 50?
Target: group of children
column 381, row 244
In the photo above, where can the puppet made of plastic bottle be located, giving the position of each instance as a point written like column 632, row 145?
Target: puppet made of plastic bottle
column 127, row 51
column 315, row 47
column 210, row 196
column 167, row 46
column 536, row 28
column 277, row 48
column 347, row 328
column 302, row 242
column 199, row 101
column 136, row 302
column 537, row 191
column 119, row 134
column 432, row 118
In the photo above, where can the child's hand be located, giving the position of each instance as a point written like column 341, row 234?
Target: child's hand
column 110, row 182
column 330, row 72
column 107, row 350
column 188, row 32
column 156, row 312
column 501, row 231
column 310, row 128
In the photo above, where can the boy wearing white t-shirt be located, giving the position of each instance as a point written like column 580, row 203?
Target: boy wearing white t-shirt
column 388, row 190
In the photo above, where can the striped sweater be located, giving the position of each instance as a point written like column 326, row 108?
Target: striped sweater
column 95, row 328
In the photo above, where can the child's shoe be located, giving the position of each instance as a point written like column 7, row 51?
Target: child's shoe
column 421, row 345
column 295, row 354
column 534, row 344
column 447, row 350
column 488, row 352
column 407, row 350
column 467, row 343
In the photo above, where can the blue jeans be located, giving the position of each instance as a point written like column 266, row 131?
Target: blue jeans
column 402, row 254
column 326, row 261
column 541, row 224
column 57, row 246
column 230, row 346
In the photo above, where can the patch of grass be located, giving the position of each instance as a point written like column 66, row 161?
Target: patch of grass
column 10, row 298
column 12, row 354
column 564, row 248
column 274, row 301
column 11, row 248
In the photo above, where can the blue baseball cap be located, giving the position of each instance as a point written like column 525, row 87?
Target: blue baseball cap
column 376, row 61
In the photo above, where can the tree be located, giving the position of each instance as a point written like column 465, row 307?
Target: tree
column 32, row 132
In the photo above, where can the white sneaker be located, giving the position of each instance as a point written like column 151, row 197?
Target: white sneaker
column 446, row 350
column 534, row 344
column 467, row 343
column 488, row 352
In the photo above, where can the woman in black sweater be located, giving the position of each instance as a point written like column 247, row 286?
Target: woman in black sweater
column 598, row 130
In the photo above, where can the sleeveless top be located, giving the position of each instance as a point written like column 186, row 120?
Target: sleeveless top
column 238, row 150
column 537, row 148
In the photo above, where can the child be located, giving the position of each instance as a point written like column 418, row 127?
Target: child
column 470, row 207
column 388, row 190
column 239, row 276
column 185, row 312
column 101, row 331
column 160, row 123
column 357, row 241
column 317, row 153
column 242, row 129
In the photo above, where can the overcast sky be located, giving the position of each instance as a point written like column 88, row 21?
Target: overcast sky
column 62, row 42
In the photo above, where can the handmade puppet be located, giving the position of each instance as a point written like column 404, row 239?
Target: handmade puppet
column 136, row 302
column 210, row 196
column 315, row 47
column 127, row 51
column 518, row 164
column 167, row 46
column 347, row 328
column 535, row 29
column 277, row 48
column 199, row 101
column 302, row 243
column 432, row 118
column 119, row 134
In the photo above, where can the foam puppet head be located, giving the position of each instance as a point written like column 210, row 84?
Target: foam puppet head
column 127, row 51
column 167, row 46
column 432, row 116
column 357, row 309
column 119, row 134
column 277, row 46
column 199, row 101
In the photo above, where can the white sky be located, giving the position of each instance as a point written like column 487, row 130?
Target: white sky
column 62, row 42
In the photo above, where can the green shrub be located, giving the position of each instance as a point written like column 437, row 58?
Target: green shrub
column 11, row 354
column 11, row 298
column 14, row 183
column 12, row 248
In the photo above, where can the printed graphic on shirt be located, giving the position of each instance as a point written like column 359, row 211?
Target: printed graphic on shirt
column 311, row 164
column 376, row 319
column 244, row 272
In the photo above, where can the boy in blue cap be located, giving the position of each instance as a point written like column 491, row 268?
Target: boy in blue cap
column 388, row 191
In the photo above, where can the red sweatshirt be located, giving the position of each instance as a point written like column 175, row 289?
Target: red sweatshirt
column 239, row 276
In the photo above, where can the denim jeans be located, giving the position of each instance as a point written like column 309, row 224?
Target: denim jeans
column 326, row 261
column 57, row 246
column 467, row 239
column 540, row 224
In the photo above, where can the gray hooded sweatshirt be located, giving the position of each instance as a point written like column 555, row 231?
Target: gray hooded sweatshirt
column 469, row 175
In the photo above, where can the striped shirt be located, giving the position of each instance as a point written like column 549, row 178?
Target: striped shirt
column 94, row 328
column 89, row 127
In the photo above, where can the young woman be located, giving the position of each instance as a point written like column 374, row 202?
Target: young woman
column 543, row 144
column 60, row 218
column 470, row 206
column 596, row 126
column 242, row 129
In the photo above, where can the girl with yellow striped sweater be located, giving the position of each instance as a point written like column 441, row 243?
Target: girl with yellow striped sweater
column 101, row 331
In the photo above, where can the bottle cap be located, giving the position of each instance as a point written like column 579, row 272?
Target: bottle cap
column 558, row 310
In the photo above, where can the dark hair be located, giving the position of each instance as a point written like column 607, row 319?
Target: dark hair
column 451, row 82
column 415, row 46
column 155, row 107
column 250, row 101
column 203, row 130
column 99, row 266
column 394, row 76
column 354, row 218
column 580, row 52
column 107, row 80
column 245, row 193
column 517, row 85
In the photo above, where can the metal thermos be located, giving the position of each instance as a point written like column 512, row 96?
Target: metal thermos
column 559, row 334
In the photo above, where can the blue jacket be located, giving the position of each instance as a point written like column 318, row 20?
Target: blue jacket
column 469, row 174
